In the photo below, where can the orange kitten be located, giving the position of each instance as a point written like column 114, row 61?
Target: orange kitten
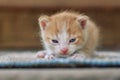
column 68, row 34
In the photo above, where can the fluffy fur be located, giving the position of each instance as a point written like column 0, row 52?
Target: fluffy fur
column 68, row 34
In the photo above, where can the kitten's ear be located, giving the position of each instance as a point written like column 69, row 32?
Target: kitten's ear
column 82, row 19
column 43, row 22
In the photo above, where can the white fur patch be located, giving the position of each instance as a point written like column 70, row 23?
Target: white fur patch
column 63, row 35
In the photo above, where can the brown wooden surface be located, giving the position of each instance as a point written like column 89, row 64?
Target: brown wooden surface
column 61, row 74
column 18, row 29
column 60, row 3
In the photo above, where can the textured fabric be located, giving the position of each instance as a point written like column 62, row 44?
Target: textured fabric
column 27, row 59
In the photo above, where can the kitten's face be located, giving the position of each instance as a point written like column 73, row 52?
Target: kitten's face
column 63, row 35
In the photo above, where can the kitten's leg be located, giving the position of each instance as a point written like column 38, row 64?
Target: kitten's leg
column 44, row 54
column 41, row 54
column 49, row 56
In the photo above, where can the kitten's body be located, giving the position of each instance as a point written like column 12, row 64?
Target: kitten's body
column 68, row 34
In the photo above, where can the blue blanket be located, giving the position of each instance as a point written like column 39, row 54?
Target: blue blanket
column 61, row 63
column 57, row 63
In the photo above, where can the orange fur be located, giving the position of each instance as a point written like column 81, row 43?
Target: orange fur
column 56, row 24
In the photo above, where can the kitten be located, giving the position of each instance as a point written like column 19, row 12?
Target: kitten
column 68, row 34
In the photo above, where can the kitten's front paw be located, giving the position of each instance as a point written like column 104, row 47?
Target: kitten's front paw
column 41, row 54
column 78, row 56
column 49, row 56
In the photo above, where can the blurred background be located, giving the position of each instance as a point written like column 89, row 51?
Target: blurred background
column 19, row 21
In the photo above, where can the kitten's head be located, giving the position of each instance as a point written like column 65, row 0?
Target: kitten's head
column 63, row 33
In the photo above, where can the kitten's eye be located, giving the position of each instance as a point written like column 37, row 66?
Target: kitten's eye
column 72, row 40
column 55, row 41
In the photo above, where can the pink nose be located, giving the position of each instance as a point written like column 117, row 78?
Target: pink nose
column 64, row 50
